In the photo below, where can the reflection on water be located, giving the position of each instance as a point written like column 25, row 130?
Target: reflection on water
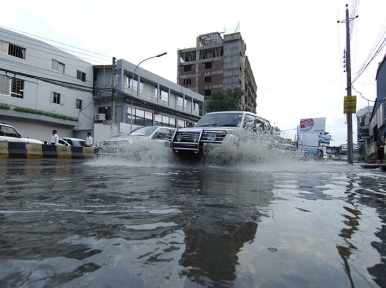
column 154, row 223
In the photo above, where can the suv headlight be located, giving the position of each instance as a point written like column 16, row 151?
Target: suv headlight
column 211, row 136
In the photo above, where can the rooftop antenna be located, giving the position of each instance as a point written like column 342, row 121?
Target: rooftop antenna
column 238, row 26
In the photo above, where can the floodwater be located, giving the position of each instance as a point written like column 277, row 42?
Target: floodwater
column 144, row 220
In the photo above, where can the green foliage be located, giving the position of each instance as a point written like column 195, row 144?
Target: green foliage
column 40, row 112
column 228, row 100
column 4, row 106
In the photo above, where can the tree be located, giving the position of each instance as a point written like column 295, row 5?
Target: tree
column 228, row 100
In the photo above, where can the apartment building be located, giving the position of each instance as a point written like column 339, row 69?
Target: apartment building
column 44, row 88
column 218, row 63
column 363, row 119
column 140, row 98
column 377, row 123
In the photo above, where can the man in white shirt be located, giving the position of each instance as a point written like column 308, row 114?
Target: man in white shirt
column 88, row 140
column 54, row 138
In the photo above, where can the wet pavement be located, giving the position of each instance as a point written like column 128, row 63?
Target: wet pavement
column 156, row 223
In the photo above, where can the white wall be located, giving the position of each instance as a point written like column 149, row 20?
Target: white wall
column 37, row 93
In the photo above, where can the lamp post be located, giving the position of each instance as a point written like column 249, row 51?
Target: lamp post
column 132, row 84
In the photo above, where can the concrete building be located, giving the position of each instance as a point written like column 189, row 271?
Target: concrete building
column 141, row 99
column 363, row 120
column 43, row 88
column 218, row 63
column 378, row 115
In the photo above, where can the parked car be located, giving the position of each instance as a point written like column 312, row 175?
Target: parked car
column 9, row 133
column 75, row 142
column 212, row 128
column 116, row 144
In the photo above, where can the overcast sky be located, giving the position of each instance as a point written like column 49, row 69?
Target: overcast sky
column 295, row 47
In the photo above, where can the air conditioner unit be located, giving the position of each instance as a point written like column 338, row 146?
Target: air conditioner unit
column 100, row 117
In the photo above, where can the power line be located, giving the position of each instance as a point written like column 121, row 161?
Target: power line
column 52, row 81
column 45, row 49
column 19, row 31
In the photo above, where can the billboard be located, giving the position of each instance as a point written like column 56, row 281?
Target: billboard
column 312, row 125
column 310, row 133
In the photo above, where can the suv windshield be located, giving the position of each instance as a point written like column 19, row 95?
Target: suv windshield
column 230, row 119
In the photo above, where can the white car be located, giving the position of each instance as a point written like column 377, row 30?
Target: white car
column 115, row 144
column 9, row 133
column 74, row 142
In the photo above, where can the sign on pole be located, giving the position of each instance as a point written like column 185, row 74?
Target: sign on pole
column 350, row 104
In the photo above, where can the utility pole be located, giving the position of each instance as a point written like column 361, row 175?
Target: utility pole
column 350, row 145
column 348, row 73
column 113, row 72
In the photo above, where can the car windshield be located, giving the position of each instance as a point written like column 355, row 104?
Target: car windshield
column 144, row 131
column 231, row 119
column 9, row 131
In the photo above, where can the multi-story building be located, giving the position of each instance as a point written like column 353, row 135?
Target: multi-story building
column 218, row 63
column 377, row 125
column 363, row 120
column 140, row 98
column 43, row 88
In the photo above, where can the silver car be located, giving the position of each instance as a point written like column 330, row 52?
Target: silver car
column 116, row 144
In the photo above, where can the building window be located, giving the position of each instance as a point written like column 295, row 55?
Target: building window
column 208, row 65
column 17, row 88
column 79, row 104
column 208, row 92
column 188, row 81
column 12, row 49
column 56, row 98
column 57, row 66
column 81, row 76
column 208, row 79
column 187, row 68
column 4, row 85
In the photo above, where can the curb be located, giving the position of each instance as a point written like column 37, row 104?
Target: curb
column 10, row 150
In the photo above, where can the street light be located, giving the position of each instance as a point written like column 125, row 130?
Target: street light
column 132, row 84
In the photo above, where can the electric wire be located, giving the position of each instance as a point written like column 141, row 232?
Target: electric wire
column 43, row 48
column 38, row 70
column 47, row 39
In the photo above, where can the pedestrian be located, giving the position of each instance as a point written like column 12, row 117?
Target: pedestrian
column 54, row 138
column 380, row 149
column 88, row 140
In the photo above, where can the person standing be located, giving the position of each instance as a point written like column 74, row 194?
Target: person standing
column 54, row 138
column 380, row 149
column 88, row 140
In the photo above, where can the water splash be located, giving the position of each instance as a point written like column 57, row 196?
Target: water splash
column 241, row 150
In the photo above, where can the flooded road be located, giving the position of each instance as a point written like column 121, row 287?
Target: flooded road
column 125, row 223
